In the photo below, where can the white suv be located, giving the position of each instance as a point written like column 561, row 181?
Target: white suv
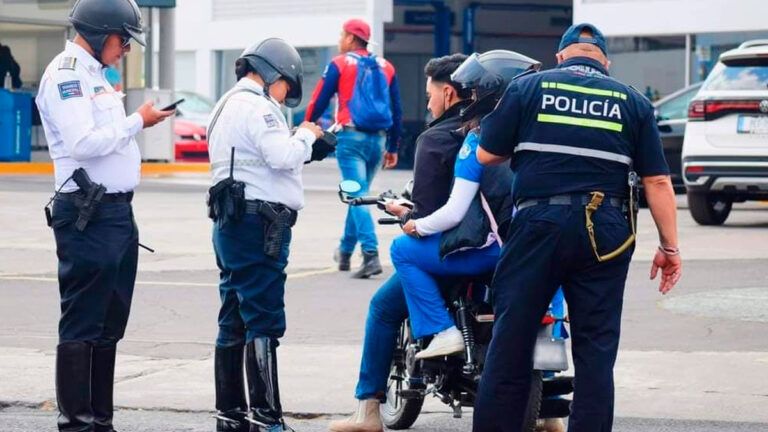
column 725, row 151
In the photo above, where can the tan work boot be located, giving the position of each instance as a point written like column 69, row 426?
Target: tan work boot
column 550, row 425
column 365, row 419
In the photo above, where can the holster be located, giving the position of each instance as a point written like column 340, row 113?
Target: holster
column 278, row 220
column 92, row 195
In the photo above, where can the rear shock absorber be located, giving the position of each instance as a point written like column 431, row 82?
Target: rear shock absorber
column 469, row 336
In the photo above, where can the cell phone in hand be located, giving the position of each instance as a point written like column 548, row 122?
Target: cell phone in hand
column 172, row 106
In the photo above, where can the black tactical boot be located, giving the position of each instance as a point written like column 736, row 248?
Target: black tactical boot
column 102, row 385
column 231, row 406
column 343, row 259
column 371, row 266
column 73, row 387
column 263, row 390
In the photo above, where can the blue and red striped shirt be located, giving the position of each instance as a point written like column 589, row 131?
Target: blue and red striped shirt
column 339, row 78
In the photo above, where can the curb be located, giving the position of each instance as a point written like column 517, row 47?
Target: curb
column 147, row 168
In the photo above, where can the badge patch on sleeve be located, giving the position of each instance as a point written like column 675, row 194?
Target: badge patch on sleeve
column 465, row 151
column 271, row 120
column 70, row 89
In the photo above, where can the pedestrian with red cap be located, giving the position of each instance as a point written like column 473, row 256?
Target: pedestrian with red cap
column 369, row 115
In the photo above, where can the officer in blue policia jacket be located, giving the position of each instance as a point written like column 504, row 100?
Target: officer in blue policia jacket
column 575, row 136
column 89, row 132
column 256, row 165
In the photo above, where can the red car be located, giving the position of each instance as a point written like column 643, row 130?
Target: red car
column 191, row 143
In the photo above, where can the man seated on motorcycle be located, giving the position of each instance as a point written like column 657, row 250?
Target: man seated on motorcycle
column 464, row 236
column 436, row 150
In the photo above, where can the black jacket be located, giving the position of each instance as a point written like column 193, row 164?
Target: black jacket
column 9, row 65
column 436, row 150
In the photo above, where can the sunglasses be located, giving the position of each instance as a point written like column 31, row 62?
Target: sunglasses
column 125, row 41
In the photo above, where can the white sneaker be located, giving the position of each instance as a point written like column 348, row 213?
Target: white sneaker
column 446, row 342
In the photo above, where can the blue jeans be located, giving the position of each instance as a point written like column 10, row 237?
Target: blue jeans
column 386, row 313
column 417, row 260
column 359, row 156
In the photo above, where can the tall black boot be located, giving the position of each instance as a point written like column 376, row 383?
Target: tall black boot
column 102, row 385
column 230, row 390
column 73, row 387
column 263, row 390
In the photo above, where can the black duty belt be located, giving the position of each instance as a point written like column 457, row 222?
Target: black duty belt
column 120, row 197
column 570, row 200
column 259, row 207
column 353, row 128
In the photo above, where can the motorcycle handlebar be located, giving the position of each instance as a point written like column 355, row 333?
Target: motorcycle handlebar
column 389, row 221
column 365, row 200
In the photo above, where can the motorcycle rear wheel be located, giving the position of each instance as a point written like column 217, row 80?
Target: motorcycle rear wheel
column 534, row 402
column 397, row 412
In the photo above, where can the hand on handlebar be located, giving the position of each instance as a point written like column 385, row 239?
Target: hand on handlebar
column 396, row 209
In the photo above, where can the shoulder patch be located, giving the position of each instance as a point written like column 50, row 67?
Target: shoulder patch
column 465, row 151
column 70, row 89
column 67, row 63
column 271, row 120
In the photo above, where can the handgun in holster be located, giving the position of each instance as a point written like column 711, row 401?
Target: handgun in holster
column 278, row 222
column 92, row 195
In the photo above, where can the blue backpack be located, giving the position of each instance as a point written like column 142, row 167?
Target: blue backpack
column 370, row 106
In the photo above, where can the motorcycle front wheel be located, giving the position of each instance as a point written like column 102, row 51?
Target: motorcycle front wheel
column 400, row 412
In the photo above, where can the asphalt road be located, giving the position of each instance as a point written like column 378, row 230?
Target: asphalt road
column 695, row 360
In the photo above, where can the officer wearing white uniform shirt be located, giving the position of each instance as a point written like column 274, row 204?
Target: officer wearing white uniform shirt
column 96, row 239
column 256, row 165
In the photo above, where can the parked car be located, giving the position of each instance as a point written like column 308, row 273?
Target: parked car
column 191, row 142
column 672, row 117
column 725, row 151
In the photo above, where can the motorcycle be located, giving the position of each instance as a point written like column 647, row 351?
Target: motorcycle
column 454, row 378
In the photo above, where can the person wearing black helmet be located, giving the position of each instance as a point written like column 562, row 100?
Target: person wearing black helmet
column 256, row 165
column 88, row 131
column 463, row 237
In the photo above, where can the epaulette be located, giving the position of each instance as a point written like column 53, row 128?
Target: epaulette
column 67, row 63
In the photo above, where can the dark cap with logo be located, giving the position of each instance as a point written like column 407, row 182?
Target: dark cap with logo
column 573, row 35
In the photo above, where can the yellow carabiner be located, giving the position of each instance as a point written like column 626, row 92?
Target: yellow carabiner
column 594, row 204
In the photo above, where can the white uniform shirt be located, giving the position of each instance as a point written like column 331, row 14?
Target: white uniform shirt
column 85, row 123
column 267, row 158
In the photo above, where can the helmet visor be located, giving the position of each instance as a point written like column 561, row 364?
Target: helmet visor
column 293, row 98
column 137, row 33
column 469, row 73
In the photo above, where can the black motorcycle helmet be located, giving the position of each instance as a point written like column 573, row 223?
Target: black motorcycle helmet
column 95, row 20
column 488, row 75
column 274, row 59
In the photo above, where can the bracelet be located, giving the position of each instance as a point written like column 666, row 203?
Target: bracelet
column 669, row 251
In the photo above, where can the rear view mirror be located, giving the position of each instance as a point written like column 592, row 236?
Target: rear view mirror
column 347, row 188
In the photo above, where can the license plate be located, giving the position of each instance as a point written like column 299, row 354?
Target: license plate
column 752, row 125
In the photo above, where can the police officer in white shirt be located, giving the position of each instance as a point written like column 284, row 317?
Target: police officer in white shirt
column 88, row 132
column 256, row 163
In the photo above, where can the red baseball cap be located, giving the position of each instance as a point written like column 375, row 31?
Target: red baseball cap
column 358, row 28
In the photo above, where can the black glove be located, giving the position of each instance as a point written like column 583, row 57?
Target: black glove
column 323, row 146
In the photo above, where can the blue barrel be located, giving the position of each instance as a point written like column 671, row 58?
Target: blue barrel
column 15, row 126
